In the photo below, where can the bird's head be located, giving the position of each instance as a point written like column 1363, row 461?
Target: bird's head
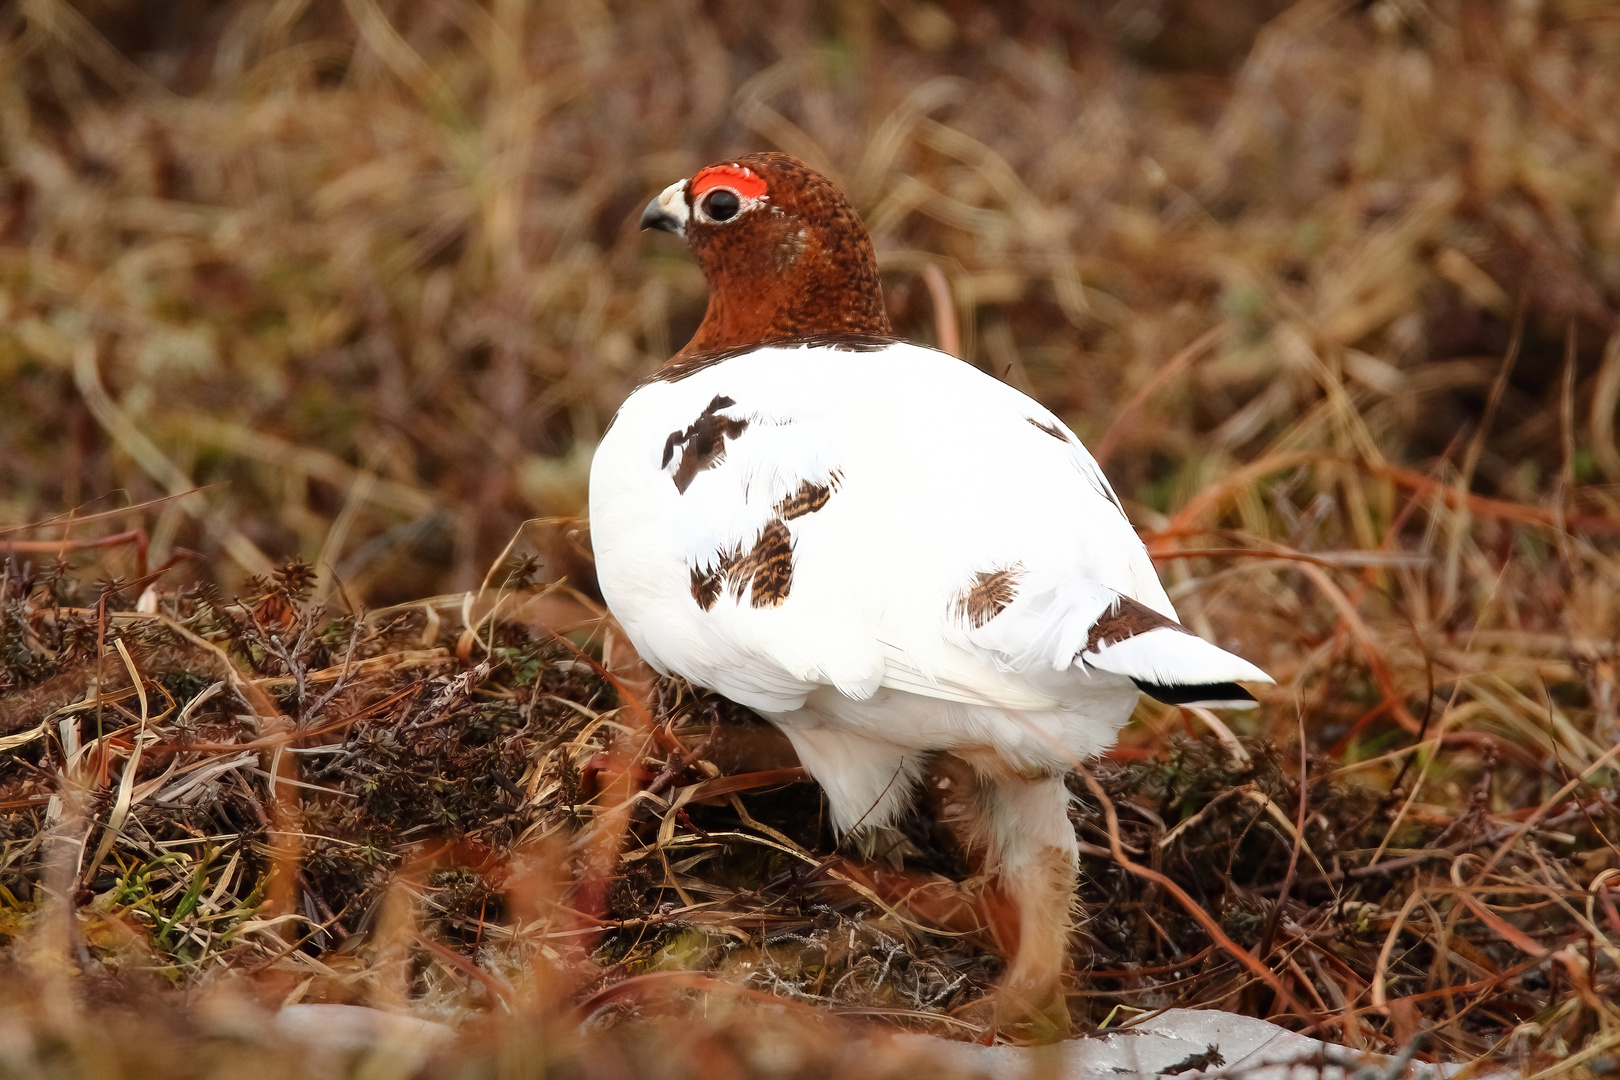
column 784, row 253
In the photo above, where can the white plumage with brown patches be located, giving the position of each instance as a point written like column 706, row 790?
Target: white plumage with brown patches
column 868, row 649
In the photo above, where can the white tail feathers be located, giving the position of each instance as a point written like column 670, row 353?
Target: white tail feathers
column 1057, row 624
column 1172, row 656
column 1179, row 668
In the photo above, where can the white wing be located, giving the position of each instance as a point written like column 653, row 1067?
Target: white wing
column 799, row 517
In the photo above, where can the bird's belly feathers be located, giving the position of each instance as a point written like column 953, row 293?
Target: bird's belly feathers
column 1079, row 727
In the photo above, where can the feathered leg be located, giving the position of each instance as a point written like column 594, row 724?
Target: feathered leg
column 1032, row 856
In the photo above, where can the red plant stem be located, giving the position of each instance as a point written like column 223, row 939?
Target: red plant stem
column 29, row 547
column 1192, row 907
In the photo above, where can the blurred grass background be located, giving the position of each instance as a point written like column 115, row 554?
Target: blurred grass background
column 1331, row 288
column 371, row 271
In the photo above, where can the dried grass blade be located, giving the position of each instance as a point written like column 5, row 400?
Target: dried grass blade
column 126, row 782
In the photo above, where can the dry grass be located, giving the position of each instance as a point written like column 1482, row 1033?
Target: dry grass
column 1333, row 291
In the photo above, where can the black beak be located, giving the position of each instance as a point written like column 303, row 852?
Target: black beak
column 656, row 217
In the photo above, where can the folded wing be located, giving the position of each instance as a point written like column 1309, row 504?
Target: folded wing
column 773, row 524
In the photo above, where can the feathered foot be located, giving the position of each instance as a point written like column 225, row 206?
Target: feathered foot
column 1020, row 826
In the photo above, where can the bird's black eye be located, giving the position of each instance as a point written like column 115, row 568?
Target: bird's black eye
column 722, row 205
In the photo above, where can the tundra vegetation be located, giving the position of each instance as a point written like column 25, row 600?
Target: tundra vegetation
column 310, row 316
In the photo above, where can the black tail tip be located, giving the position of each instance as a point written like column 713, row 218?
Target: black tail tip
column 1195, row 693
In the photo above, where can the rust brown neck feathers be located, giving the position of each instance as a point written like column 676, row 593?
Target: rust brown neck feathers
column 792, row 260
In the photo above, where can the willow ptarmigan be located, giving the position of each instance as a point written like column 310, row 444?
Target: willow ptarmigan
column 882, row 550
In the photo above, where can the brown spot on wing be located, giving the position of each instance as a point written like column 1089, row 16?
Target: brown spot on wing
column 707, row 583
column 988, row 596
column 1051, row 429
column 1126, row 619
column 703, row 443
column 766, row 570
column 676, row 438
column 770, row 565
column 808, row 499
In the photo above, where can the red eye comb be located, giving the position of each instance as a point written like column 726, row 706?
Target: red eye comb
column 739, row 179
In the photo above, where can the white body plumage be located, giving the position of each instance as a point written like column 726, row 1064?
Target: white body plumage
column 888, row 553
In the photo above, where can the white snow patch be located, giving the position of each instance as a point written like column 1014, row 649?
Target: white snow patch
column 1188, row 1044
